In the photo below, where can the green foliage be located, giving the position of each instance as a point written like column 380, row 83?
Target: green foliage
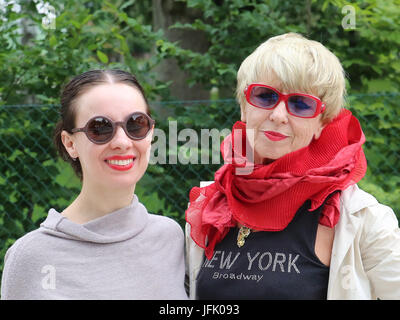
column 235, row 28
column 376, row 113
column 88, row 35
column 29, row 179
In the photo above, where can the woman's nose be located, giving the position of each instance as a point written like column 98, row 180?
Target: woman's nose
column 279, row 113
column 120, row 139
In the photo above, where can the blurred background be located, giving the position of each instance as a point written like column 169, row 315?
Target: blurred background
column 186, row 54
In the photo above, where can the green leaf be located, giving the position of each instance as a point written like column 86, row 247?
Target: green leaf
column 76, row 24
column 102, row 56
column 53, row 40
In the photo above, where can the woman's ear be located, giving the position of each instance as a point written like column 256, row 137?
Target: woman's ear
column 69, row 144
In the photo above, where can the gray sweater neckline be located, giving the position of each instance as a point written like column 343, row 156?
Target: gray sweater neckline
column 115, row 226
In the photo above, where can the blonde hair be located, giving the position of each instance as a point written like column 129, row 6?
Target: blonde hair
column 301, row 65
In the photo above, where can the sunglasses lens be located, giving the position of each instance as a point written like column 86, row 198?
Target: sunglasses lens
column 263, row 97
column 302, row 106
column 138, row 125
column 100, row 130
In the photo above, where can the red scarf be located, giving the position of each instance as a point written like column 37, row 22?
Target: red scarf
column 268, row 198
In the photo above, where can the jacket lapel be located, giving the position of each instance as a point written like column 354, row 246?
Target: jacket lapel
column 352, row 201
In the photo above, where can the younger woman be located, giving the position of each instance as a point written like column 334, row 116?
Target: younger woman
column 104, row 245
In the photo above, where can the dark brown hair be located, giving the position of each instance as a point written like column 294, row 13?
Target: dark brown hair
column 72, row 91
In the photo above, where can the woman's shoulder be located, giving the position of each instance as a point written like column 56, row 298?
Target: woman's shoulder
column 165, row 224
column 359, row 203
column 28, row 246
column 354, row 200
column 22, row 261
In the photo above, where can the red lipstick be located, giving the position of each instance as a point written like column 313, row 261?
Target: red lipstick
column 274, row 136
column 120, row 163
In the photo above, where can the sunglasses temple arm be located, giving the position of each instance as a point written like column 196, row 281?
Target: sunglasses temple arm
column 78, row 130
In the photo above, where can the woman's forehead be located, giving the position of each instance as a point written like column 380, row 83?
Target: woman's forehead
column 270, row 80
column 286, row 85
column 115, row 101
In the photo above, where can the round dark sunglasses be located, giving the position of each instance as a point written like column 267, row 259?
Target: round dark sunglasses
column 101, row 129
column 297, row 104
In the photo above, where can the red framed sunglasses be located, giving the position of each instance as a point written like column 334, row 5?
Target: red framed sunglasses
column 101, row 129
column 297, row 104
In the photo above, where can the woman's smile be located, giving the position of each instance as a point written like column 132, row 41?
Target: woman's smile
column 120, row 163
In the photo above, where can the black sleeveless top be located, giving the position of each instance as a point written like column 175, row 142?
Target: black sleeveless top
column 270, row 265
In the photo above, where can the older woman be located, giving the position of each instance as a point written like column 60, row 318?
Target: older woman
column 295, row 226
column 104, row 245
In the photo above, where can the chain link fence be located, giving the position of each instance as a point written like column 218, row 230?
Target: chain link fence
column 33, row 179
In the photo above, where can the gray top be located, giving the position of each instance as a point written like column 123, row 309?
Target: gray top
column 126, row 254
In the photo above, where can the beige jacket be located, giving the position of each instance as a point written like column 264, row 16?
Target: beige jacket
column 365, row 261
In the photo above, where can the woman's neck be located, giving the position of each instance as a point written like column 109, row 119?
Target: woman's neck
column 93, row 203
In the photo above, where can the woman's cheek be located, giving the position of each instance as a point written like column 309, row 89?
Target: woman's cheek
column 145, row 147
column 148, row 153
